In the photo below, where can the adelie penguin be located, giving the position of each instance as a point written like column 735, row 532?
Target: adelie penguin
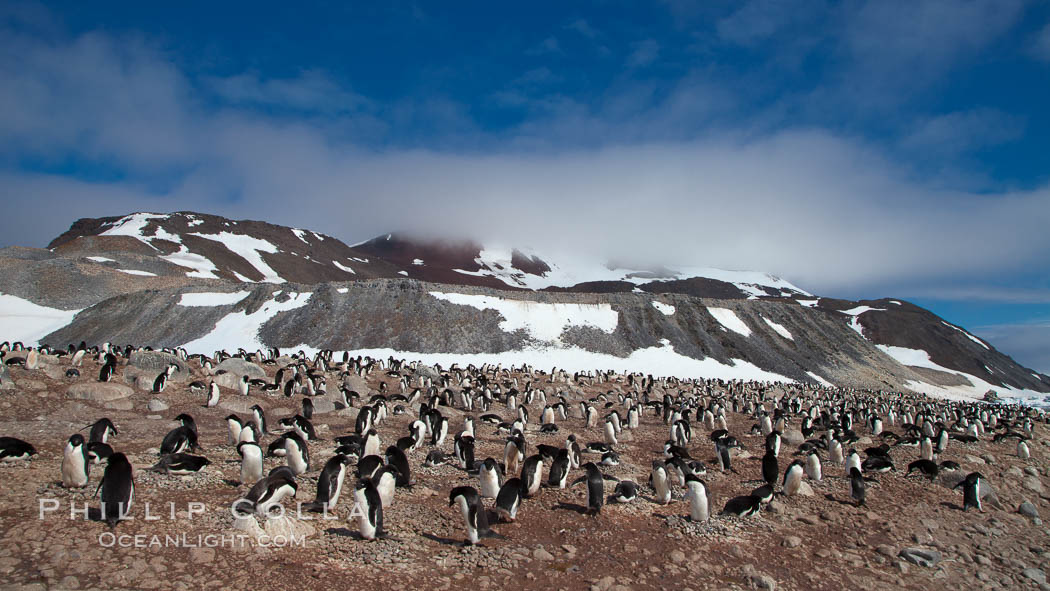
column 182, row 438
column 251, row 462
column 329, row 485
column 369, row 509
column 661, row 483
column 117, row 488
column 75, row 463
column 101, row 431
column 699, row 499
column 559, row 472
column 508, row 500
column 532, row 474
column 396, row 457
column 625, row 492
column 743, row 506
column 180, row 464
column 296, row 453
column 971, row 486
column 473, row 511
column 491, row 478
column 595, row 487
column 858, row 489
column 793, row 478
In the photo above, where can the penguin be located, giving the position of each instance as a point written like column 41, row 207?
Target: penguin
column 609, row 432
column 559, row 472
column 464, row 450
column 296, row 453
column 372, row 444
column 924, row 466
column 276, row 487
column 259, row 418
column 532, row 475
column 852, row 461
column 369, row 509
column 857, row 487
column 473, row 512
column 243, row 385
column 308, row 409
column 491, row 478
column 75, row 464
column 435, row 458
column 835, row 452
column 160, row 382
column 595, row 488
column 610, row 458
column 764, row 493
column 575, row 455
column 385, row 480
column 878, row 464
column 368, row 466
column 179, row 439
column 234, row 425
column 396, row 457
column 770, row 467
column 513, row 453
column 251, row 462
column 626, row 491
column 101, row 430
column 98, row 452
column 724, row 459
column 250, row 433
column 1022, row 450
column 117, row 488
column 792, row 478
column 180, row 464
column 660, row 482
column 971, row 491
column 213, row 395
column 743, row 506
column 813, row 469
column 698, row 497
column 508, row 500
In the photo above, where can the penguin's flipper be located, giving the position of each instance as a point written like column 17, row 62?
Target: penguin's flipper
column 579, row 480
column 610, row 478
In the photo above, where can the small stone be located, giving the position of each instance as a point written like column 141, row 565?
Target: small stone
column 761, row 581
column 809, row 519
column 569, row 548
column 605, row 583
column 921, row 556
column 1028, row 510
column 202, row 555
column 886, row 550
column 156, row 405
column 1033, row 484
column 1035, row 574
column 988, row 458
column 677, row 556
column 541, row 554
column 792, row 542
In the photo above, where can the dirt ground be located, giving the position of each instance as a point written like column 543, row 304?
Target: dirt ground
column 814, row 542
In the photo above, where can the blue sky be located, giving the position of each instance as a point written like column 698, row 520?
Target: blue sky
column 859, row 149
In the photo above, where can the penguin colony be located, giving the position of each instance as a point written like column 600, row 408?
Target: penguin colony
column 463, row 406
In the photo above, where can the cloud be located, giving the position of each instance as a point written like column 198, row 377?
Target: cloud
column 644, row 53
column 962, row 131
column 582, row 27
column 1040, row 48
column 548, row 45
column 646, row 173
column 981, row 293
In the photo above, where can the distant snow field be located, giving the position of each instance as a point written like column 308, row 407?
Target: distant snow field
column 780, row 330
column 730, row 320
column 212, row 299
column 665, row 309
column 137, row 272
column 543, row 322
column 239, row 329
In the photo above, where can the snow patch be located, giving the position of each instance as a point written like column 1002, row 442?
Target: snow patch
column 665, row 309
column 248, row 248
column 100, row 259
column 808, row 303
column 212, row 299
column 779, row 329
column 200, row 266
column 301, row 235
column 239, row 329
column 820, row 379
column 343, row 267
column 137, row 272
column 22, row 320
column 860, row 310
column 343, row 289
column 417, row 261
column 542, row 321
column 405, row 273
column 133, row 225
column 730, row 320
column 855, row 324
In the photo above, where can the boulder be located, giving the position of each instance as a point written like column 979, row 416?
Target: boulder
column 793, row 437
column 154, row 362
column 921, row 556
column 240, row 367
column 99, row 391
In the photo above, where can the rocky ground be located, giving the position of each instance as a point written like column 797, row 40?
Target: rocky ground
column 814, row 541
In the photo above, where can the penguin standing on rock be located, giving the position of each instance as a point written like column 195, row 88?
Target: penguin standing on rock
column 793, row 478
column 660, row 482
column 369, row 508
column 329, row 484
column 699, row 499
column 251, row 462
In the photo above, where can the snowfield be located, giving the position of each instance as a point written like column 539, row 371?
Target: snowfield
column 239, row 329
column 542, row 322
column 22, row 320
column 730, row 320
column 665, row 309
column 212, row 299
column 780, row 330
